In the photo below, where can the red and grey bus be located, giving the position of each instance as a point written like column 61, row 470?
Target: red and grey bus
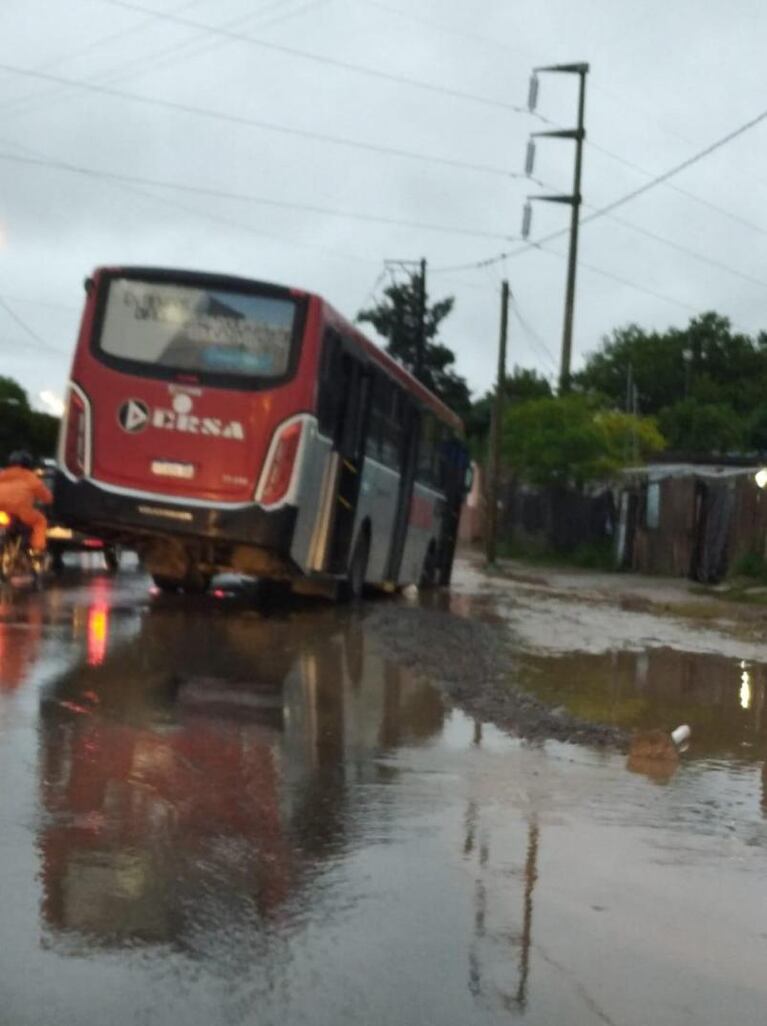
column 219, row 424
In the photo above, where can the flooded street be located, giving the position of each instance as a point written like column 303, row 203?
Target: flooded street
column 217, row 811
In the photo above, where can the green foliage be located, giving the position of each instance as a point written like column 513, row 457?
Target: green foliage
column 707, row 361
column 756, row 428
column 570, row 440
column 12, row 394
column 520, row 385
column 752, row 565
column 587, row 556
column 698, row 426
column 397, row 319
column 22, row 427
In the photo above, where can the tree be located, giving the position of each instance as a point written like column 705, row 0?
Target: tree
column 707, row 361
column 11, row 393
column 522, row 384
column 570, row 440
column 703, row 427
column 21, row 427
column 397, row 319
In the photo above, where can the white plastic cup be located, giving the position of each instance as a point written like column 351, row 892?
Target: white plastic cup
column 681, row 734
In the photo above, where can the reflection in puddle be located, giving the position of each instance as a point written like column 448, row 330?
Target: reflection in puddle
column 201, row 771
column 722, row 699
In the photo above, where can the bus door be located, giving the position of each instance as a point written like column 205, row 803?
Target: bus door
column 351, row 417
column 456, row 481
column 407, row 469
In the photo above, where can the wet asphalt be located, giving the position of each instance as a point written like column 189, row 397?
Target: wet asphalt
column 226, row 810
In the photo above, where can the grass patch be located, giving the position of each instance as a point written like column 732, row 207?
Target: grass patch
column 587, row 556
column 751, row 565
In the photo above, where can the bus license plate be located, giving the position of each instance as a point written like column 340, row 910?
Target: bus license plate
column 166, row 468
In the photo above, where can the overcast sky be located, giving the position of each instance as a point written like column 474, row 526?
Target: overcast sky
column 99, row 85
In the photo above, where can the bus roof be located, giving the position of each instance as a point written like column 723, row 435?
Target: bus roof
column 373, row 351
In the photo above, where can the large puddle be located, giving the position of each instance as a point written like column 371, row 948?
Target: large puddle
column 210, row 815
column 722, row 699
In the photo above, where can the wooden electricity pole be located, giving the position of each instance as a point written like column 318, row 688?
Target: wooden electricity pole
column 496, row 424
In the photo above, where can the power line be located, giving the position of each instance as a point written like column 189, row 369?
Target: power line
column 181, row 51
column 30, row 332
column 718, row 264
column 334, row 62
column 25, row 103
column 621, row 201
column 659, row 179
column 267, row 126
column 624, row 281
column 208, row 215
column 534, row 336
column 677, row 188
column 201, row 190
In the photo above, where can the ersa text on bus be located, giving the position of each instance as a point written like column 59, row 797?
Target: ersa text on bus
column 135, row 416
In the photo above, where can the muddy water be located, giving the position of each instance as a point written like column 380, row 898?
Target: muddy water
column 721, row 698
column 215, row 813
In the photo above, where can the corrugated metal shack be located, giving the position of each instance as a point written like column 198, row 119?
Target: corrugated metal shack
column 690, row 520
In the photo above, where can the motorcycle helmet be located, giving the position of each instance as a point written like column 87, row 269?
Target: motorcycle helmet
column 21, row 458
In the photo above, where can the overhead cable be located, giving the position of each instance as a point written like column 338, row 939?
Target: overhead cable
column 309, row 55
column 267, row 126
column 621, row 201
column 202, row 190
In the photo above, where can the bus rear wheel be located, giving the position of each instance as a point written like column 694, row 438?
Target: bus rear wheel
column 358, row 566
column 194, row 583
column 429, row 569
column 166, row 584
column 112, row 558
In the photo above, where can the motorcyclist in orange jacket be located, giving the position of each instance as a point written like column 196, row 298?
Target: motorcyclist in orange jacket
column 20, row 488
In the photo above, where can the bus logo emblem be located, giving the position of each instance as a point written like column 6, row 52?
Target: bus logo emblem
column 133, row 416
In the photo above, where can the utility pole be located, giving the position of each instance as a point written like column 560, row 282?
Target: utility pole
column 574, row 201
column 419, row 360
column 420, row 352
column 491, row 526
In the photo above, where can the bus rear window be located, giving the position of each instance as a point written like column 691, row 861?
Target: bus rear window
column 204, row 331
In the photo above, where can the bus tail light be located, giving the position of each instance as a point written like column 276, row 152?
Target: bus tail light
column 76, row 448
column 278, row 473
column 5, row 520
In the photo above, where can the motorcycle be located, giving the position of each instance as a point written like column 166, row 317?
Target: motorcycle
column 16, row 561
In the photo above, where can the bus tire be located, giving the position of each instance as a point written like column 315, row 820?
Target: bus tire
column 166, row 584
column 358, row 566
column 429, row 570
column 112, row 558
column 195, row 583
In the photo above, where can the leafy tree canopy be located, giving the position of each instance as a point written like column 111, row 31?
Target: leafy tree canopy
column 704, row 427
column 571, row 440
column 522, row 384
column 21, row 427
column 12, row 394
column 707, row 361
column 397, row 319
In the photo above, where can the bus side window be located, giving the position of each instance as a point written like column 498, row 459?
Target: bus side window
column 331, row 384
column 373, row 441
column 392, row 428
column 427, row 450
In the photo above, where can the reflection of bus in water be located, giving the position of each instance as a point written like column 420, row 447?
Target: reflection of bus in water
column 176, row 810
column 216, row 423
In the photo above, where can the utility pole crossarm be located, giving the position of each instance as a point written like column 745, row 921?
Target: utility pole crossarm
column 557, row 199
column 562, row 133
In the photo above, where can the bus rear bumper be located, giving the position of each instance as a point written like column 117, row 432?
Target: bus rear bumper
column 86, row 506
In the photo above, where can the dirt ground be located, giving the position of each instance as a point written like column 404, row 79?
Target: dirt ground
column 555, row 612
